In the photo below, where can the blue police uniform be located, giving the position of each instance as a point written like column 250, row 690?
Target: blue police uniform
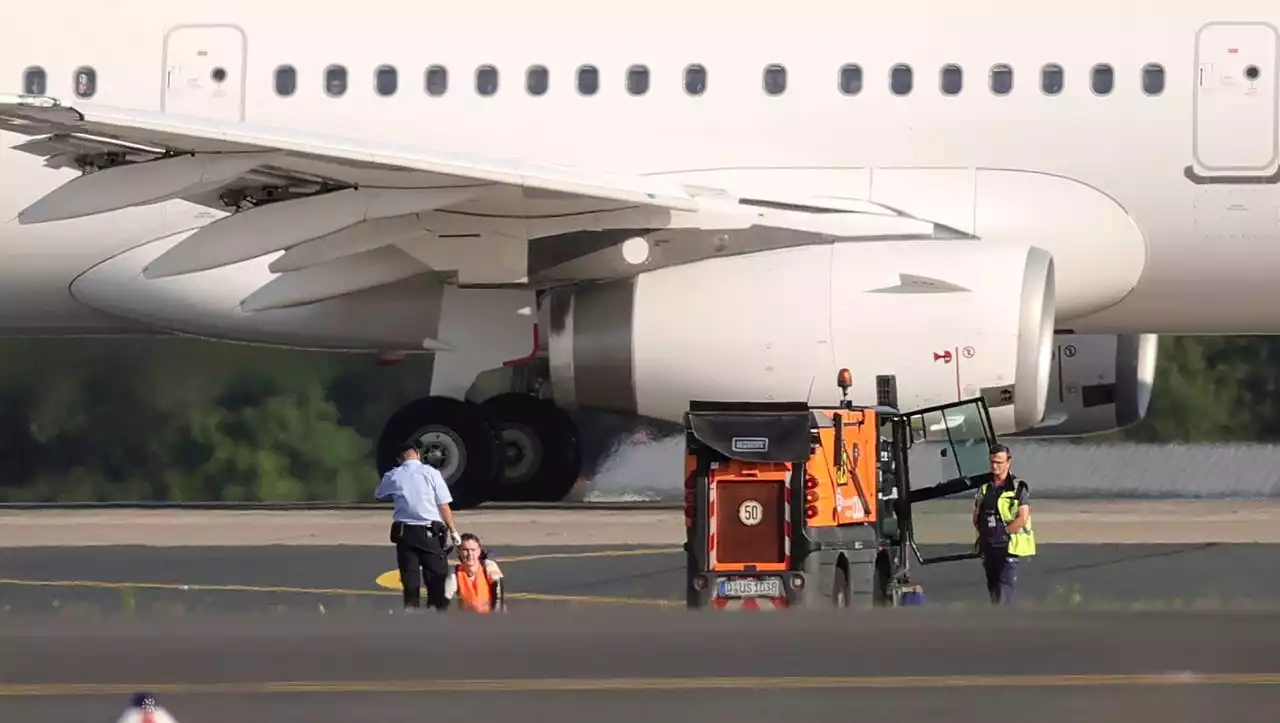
column 418, row 530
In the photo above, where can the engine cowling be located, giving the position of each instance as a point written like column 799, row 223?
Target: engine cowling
column 1099, row 383
column 950, row 319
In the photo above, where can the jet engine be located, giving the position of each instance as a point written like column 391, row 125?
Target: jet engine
column 1099, row 383
column 950, row 319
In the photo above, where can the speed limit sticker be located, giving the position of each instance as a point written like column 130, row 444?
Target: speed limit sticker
column 751, row 513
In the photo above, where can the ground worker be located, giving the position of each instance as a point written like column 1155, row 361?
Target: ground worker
column 418, row 528
column 144, row 709
column 476, row 582
column 1002, row 518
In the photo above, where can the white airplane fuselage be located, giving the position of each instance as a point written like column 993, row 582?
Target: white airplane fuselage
column 1161, row 209
column 1212, row 251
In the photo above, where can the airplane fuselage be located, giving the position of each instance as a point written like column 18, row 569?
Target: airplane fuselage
column 1209, row 253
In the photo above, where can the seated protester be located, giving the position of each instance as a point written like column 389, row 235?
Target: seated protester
column 476, row 581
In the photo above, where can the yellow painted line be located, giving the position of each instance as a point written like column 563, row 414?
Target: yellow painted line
column 391, row 578
column 596, row 553
column 318, row 591
column 634, row 684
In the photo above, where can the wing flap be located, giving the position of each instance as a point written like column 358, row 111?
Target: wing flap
column 278, row 226
column 365, row 270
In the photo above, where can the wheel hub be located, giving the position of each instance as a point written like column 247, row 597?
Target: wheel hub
column 441, row 448
column 522, row 453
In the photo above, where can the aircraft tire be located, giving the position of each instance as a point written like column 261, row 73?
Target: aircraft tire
column 540, row 457
column 458, row 438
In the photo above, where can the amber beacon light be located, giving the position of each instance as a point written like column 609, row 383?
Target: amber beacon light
column 844, row 380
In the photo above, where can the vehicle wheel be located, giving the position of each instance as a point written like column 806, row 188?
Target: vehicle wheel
column 881, row 595
column 840, row 588
column 458, row 438
column 541, row 457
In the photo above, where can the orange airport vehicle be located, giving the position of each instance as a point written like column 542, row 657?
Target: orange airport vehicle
column 788, row 505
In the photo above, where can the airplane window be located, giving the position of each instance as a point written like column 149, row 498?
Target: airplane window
column 386, row 80
column 637, row 80
column 1001, row 79
column 34, row 81
column 1153, row 79
column 695, row 79
column 537, row 80
column 952, row 80
column 335, row 80
column 775, row 79
column 588, row 79
column 437, row 80
column 1051, row 79
column 901, row 79
column 86, row 82
column 851, row 79
column 486, row 80
column 1104, row 78
column 286, row 80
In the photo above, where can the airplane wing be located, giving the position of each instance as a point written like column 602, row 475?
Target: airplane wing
column 352, row 214
column 316, row 157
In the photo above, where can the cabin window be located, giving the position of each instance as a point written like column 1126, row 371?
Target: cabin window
column 588, row 79
column 775, row 79
column 638, row 80
column 1103, row 79
column 386, row 80
column 335, row 81
column 1001, row 79
column 1051, row 79
column 286, row 80
column 695, row 79
column 951, row 81
column 34, row 81
column 486, row 80
column 901, row 79
column 86, row 81
column 1153, row 79
column 436, row 80
column 851, row 79
column 537, row 80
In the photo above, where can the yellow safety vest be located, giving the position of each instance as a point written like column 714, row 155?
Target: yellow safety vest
column 1023, row 542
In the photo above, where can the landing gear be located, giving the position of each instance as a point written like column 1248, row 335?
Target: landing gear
column 513, row 447
column 458, row 438
column 540, row 451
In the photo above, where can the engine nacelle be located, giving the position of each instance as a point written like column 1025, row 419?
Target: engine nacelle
column 950, row 319
column 1099, row 383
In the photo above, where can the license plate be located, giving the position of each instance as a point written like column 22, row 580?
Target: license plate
column 751, row 587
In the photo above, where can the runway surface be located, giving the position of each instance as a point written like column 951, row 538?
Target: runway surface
column 85, row 581
column 1169, row 632
column 547, row 665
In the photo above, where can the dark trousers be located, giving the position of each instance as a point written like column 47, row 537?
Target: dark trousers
column 418, row 552
column 1002, row 573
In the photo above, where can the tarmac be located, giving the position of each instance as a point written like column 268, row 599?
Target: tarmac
column 299, row 621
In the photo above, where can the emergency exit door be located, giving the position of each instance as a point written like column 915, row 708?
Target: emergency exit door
column 1236, row 85
column 204, row 69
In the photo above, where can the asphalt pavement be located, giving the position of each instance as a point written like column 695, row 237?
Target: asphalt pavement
column 310, row 634
column 190, row 579
column 549, row 664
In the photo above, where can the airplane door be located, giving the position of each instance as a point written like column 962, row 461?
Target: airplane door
column 1236, row 125
column 204, row 69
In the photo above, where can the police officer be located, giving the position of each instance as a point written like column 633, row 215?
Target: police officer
column 1002, row 517
column 418, row 528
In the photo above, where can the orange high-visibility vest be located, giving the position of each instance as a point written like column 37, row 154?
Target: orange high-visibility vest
column 475, row 593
